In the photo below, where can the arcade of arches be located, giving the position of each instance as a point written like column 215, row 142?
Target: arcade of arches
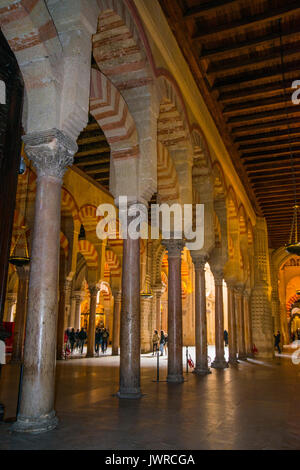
column 111, row 109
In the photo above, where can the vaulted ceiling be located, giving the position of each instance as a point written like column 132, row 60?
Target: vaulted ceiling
column 245, row 55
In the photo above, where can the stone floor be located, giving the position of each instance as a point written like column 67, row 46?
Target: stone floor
column 254, row 405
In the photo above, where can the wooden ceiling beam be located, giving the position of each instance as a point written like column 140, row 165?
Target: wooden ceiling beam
column 254, row 91
column 96, row 169
column 200, row 10
column 248, row 21
column 291, row 111
column 104, row 158
column 263, row 103
column 265, row 125
column 244, row 46
column 266, row 137
column 272, row 153
column 84, row 140
column 240, row 63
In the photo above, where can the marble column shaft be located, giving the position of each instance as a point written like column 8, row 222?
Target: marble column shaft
column 239, row 304
column 64, row 294
column 130, row 334
column 78, row 300
column 21, row 313
column 248, row 326
column 92, row 321
column 51, row 152
column 175, row 340
column 232, row 331
column 219, row 362
column 116, row 323
column 200, row 317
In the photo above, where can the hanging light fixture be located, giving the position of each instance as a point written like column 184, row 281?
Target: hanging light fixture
column 19, row 253
column 81, row 236
column 293, row 247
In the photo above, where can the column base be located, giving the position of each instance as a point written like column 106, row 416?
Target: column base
column 233, row 361
column 35, row 425
column 201, row 371
column 89, row 355
column 242, row 357
column 220, row 364
column 130, row 393
column 115, row 352
column 175, row 379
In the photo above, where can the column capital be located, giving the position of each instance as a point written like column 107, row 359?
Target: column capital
column 199, row 261
column 174, row 247
column 218, row 274
column 94, row 289
column 51, row 152
column 117, row 295
column 239, row 290
column 77, row 295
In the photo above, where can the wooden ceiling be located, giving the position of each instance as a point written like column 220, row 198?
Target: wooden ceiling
column 234, row 49
column 93, row 156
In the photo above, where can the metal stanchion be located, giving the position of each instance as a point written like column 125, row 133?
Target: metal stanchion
column 20, row 388
column 187, row 359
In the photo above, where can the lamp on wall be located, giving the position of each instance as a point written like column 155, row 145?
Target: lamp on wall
column 81, row 236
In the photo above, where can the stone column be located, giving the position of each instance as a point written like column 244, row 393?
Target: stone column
column 232, row 338
column 116, row 323
column 94, row 289
column 78, row 300
column 219, row 362
column 71, row 319
column 64, row 294
column 239, row 308
column 174, row 248
column 261, row 312
column 130, row 334
column 200, row 316
column 51, row 152
column 11, row 300
column 158, row 322
column 21, row 313
column 248, row 327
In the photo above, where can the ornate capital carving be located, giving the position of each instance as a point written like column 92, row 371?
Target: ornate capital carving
column 117, row 295
column 218, row 276
column 94, row 289
column 51, row 152
column 174, row 247
column 199, row 261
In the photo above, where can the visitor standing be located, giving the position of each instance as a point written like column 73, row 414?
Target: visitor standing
column 155, row 342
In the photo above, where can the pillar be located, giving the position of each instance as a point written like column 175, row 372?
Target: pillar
column 200, row 316
column 158, row 321
column 232, row 338
column 130, row 334
column 51, row 152
column 94, row 289
column 21, row 312
column 239, row 309
column 78, row 300
column 71, row 319
column 219, row 362
column 174, row 248
column 116, row 323
column 248, row 327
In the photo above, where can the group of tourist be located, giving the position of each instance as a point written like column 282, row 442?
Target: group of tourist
column 75, row 340
column 101, row 340
column 159, row 342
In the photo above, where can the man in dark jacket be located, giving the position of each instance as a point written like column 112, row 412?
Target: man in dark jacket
column 82, row 339
column 277, row 341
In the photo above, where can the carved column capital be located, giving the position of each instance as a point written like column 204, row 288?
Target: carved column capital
column 174, row 247
column 51, row 152
column 218, row 274
column 199, row 261
column 117, row 295
column 94, row 289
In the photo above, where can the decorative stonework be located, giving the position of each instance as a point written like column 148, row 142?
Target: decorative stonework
column 199, row 261
column 174, row 247
column 51, row 152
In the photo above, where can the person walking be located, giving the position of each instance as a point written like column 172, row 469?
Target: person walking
column 82, row 339
column 226, row 337
column 72, row 339
column 277, row 341
column 105, row 336
column 98, row 340
column 155, row 342
column 162, row 342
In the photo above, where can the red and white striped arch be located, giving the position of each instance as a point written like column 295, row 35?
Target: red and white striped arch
column 112, row 114
column 89, row 218
column 167, row 181
column 69, row 205
column 89, row 252
column 113, row 263
column 117, row 46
